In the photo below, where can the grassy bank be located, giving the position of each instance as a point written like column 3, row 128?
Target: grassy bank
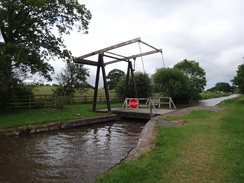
column 209, row 95
column 209, row 148
column 22, row 118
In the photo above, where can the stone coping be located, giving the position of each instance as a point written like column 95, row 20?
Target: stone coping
column 62, row 125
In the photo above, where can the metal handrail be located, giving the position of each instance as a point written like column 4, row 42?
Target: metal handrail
column 150, row 103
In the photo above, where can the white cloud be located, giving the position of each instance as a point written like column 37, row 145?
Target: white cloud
column 207, row 31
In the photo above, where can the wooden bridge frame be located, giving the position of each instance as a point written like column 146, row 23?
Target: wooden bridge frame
column 100, row 64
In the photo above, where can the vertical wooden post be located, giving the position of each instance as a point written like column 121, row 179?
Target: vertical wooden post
column 96, row 86
column 133, row 80
column 127, row 81
column 130, row 71
column 101, row 65
column 105, row 83
column 29, row 101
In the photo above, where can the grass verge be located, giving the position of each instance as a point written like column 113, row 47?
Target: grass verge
column 209, row 148
column 22, row 118
column 208, row 95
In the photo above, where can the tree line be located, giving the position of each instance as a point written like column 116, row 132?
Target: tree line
column 183, row 82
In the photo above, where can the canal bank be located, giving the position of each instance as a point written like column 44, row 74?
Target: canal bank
column 148, row 134
column 35, row 129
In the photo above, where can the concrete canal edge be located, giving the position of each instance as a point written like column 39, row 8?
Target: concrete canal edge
column 62, row 125
column 146, row 139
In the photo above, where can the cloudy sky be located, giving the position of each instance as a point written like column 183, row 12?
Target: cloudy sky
column 210, row 32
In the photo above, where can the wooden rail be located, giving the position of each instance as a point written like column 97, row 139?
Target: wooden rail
column 44, row 101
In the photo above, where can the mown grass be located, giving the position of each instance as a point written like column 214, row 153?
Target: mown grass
column 48, row 90
column 22, row 118
column 209, row 95
column 209, row 148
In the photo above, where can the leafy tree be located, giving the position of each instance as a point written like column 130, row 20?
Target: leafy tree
column 143, row 86
column 28, row 31
column 71, row 79
column 222, row 86
column 113, row 77
column 173, row 83
column 196, row 75
column 239, row 78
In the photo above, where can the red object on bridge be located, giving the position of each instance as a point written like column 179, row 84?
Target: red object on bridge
column 133, row 103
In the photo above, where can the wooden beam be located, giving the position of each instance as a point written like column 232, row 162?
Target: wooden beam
column 144, row 54
column 116, row 54
column 84, row 61
column 135, row 56
column 159, row 50
column 110, row 48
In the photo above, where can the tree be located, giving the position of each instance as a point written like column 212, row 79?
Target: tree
column 71, row 79
column 28, row 30
column 113, row 77
column 173, row 83
column 196, row 75
column 223, row 87
column 239, row 78
column 143, row 86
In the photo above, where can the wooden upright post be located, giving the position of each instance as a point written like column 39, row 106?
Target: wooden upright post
column 130, row 71
column 101, row 65
column 96, row 86
column 105, row 82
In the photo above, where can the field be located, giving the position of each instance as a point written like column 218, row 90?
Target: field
column 48, row 90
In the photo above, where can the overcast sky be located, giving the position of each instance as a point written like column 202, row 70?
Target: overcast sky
column 210, row 32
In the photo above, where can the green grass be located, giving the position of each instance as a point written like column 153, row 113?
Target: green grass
column 48, row 90
column 43, row 90
column 209, row 95
column 23, row 118
column 209, row 148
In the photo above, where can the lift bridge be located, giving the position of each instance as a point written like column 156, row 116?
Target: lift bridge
column 151, row 105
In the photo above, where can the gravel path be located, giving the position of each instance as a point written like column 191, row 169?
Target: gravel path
column 189, row 109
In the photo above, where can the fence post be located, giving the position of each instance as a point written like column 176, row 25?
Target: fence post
column 29, row 101
column 169, row 102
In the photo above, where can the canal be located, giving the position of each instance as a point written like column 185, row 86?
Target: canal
column 70, row 156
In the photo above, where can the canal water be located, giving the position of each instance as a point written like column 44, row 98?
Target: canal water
column 208, row 102
column 70, row 156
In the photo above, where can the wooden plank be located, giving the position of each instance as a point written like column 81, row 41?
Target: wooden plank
column 159, row 50
column 135, row 56
column 110, row 48
column 84, row 61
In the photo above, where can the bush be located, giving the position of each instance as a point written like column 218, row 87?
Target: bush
column 172, row 83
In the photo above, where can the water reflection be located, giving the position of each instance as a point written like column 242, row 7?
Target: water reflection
column 76, row 155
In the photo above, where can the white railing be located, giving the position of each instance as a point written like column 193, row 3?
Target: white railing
column 151, row 103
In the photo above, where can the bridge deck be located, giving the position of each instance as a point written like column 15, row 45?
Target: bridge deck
column 143, row 113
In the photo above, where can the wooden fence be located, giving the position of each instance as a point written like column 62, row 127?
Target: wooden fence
column 45, row 101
